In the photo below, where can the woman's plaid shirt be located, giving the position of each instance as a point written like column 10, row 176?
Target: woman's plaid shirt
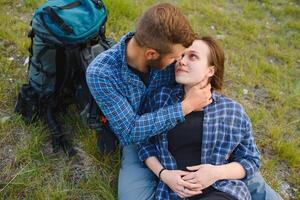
column 227, row 137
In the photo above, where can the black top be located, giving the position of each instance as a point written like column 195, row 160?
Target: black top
column 213, row 194
column 185, row 144
column 185, row 140
column 144, row 76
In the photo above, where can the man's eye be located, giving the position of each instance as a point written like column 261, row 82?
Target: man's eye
column 180, row 57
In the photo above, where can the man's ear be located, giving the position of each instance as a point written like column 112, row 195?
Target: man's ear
column 211, row 71
column 151, row 54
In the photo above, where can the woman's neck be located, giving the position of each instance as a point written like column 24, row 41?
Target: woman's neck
column 187, row 88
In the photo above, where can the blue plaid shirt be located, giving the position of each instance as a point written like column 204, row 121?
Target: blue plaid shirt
column 227, row 137
column 119, row 93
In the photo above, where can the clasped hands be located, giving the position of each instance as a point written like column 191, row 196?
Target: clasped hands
column 192, row 182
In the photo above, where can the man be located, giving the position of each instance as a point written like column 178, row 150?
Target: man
column 121, row 77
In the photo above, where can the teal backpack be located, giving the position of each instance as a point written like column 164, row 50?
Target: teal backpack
column 66, row 36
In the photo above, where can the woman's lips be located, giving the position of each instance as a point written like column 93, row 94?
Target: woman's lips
column 179, row 70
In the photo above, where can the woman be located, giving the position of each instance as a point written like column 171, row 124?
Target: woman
column 208, row 155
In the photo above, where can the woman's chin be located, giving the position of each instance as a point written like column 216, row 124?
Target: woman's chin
column 180, row 80
column 183, row 82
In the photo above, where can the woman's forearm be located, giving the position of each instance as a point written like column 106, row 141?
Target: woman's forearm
column 233, row 170
column 153, row 164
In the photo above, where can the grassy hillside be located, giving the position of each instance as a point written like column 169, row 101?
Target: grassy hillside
column 262, row 42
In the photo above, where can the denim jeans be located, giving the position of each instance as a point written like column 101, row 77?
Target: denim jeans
column 137, row 182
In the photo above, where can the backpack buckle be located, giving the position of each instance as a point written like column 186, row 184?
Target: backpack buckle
column 98, row 3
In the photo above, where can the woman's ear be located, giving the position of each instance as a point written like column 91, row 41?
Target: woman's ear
column 211, row 71
column 151, row 54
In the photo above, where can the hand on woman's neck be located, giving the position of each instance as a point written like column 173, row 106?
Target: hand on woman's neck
column 188, row 88
column 135, row 57
column 201, row 90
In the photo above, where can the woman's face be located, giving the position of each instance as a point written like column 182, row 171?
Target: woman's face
column 193, row 67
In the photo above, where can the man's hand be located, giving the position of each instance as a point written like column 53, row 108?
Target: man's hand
column 204, row 176
column 197, row 98
column 173, row 178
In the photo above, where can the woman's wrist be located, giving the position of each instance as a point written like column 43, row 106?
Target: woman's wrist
column 219, row 172
column 233, row 170
column 159, row 173
column 163, row 175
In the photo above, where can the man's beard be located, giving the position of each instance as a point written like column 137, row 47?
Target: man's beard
column 156, row 64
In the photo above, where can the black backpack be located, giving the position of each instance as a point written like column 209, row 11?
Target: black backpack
column 65, row 37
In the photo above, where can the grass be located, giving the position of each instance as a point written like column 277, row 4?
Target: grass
column 261, row 41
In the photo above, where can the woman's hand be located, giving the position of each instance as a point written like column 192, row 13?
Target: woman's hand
column 173, row 178
column 203, row 176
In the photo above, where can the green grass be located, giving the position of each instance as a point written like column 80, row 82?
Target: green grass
column 261, row 41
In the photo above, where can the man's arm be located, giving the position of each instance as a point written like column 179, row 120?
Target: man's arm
column 128, row 125
column 125, row 123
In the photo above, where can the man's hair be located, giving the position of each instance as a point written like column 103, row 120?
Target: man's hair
column 216, row 58
column 162, row 26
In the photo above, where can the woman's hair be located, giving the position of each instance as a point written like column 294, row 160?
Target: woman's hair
column 162, row 26
column 216, row 58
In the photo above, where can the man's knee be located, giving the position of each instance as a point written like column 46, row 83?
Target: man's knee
column 138, row 193
column 136, row 184
column 260, row 190
column 136, row 181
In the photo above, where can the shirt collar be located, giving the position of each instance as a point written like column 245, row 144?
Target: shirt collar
column 127, row 74
column 123, row 41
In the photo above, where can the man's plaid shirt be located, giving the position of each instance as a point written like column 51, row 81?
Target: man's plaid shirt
column 119, row 93
column 227, row 136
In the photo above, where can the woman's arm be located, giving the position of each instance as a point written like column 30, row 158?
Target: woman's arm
column 245, row 161
column 247, row 153
column 173, row 178
column 206, row 174
column 154, row 164
column 233, row 170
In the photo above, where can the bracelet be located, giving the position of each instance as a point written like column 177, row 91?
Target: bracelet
column 159, row 174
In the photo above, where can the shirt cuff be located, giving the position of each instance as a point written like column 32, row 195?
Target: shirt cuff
column 178, row 113
column 249, row 168
column 143, row 156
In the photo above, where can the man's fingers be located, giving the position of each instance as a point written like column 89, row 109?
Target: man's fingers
column 206, row 90
column 209, row 101
column 203, row 83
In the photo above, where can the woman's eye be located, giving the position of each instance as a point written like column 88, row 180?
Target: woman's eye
column 193, row 57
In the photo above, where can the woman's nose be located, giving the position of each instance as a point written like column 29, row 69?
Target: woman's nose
column 182, row 60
